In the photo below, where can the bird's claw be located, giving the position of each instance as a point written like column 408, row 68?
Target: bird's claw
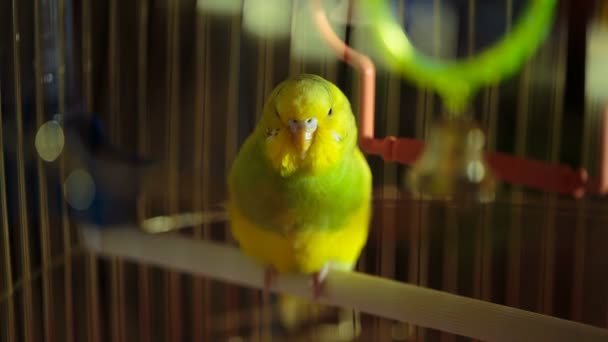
column 318, row 282
column 270, row 278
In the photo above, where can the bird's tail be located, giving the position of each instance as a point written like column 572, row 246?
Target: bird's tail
column 299, row 315
column 296, row 313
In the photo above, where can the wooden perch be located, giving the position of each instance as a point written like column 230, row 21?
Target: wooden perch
column 374, row 295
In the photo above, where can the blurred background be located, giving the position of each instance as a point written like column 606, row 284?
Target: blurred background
column 116, row 111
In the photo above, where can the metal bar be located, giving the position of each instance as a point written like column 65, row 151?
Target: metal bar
column 23, row 218
column 390, row 193
column 173, row 113
column 6, row 246
column 483, row 282
column 114, row 72
column 514, row 238
column 428, row 120
column 45, row 243
column 262, row 51
column 603, row 169
column 65, row 223
column 419, row 211
column 92, row 289
column 87, row 55
column 93, row 318
column 549, row 233
column 425, row 227
column 259, row 301
column 200, row 308
column 143, row 147
column 482, row 286
column 580, row 229
column 267, row 57
column 231, row 141
column 202, row 157
column 115, row 300
column 116, row 309
column 295, row 63
column 450, row 258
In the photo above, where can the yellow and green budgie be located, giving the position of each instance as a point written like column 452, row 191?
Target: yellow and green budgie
column 300, row 188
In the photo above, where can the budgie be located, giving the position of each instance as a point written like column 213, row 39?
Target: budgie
column 300, row 188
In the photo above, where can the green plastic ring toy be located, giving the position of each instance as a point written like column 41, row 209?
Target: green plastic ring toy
column 456, row 80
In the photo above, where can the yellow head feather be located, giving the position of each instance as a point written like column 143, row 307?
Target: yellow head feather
column 300, row 98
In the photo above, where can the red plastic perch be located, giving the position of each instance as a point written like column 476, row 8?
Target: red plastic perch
column 536, row 174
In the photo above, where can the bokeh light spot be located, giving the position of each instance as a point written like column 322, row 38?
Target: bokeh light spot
column 79, row 189
column 267, row 18
column 49, row 141
column 219, row 7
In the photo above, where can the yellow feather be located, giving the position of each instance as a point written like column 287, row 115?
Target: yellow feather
column 304, row 251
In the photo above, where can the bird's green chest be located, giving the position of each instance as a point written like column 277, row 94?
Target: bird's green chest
column 301, row 201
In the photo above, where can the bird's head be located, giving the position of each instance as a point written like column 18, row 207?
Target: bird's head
column 307, row 124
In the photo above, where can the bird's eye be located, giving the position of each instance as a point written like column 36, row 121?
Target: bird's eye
column 330, row 112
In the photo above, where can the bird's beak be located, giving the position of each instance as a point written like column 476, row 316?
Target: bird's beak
column 302, row 133
column 302, row 140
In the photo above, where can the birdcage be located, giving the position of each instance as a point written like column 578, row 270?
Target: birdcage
column 119, row 121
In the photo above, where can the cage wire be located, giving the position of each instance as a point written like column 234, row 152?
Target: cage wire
column 117, row 112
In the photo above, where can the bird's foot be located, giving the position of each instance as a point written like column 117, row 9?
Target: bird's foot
column 318, row 282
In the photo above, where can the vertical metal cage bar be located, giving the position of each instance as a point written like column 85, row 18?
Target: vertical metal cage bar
column 450, row 257
column 202, row 162
column 517, row 197
column 114, row 71
column 232, row 117
column 116, row 267
column 295, row 63
column 578, row 266
column 390, row 192
column 266, row 55
column 65, row 223
column 6, row 246
column 472, row 9
column 265, row 71
column 258, row 302
column 329, row 60
column 27, row 296
column 45, row 240
column 581, row 227
column 261, row 72
column 143, row 278
column 584, row 276
column 93, row 314
column 231, row 141
column 200, row 178
column 555, row 138
column 485, row 252
column 173, row 111
column 91, row 278
column 330, row 65
column 418, row 209
column 87, row 55
column 425, row 118
column 114, row 301
column 423, row 234
column 452, row 229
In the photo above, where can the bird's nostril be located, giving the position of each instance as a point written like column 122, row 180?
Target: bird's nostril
column 308, row 121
